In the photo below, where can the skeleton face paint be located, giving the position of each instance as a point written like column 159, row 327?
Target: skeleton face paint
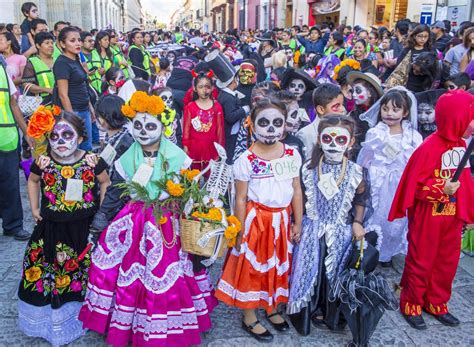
column 63, row 140
column 247, row 74
column 426, row 114
column 360, row 94
column 297, row 87
column 293, row 120
column 269, row 125
column 334, row 142
column 167, row 98
column 146, row 129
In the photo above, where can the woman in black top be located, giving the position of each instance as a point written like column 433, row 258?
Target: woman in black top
column 71, row 81
column 418, row 41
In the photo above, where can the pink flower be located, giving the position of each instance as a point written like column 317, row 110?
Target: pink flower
column 89, row 197
column 39, row 286
column 55, row 291
column 51, row 197
column 76, row 286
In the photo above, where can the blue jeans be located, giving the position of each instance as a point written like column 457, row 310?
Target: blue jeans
column 86, row 145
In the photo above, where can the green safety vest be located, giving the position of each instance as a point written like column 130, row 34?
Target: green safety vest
column 146, row 58
column 337, row 53
column 57, row 52
column 8, row 130
column 179, row 37
column 95, row 79
column 43, row 73
column 118, row 57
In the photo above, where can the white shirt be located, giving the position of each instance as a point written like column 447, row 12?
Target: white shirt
column 309, row 136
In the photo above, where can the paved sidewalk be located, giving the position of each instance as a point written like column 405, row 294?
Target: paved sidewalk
column 392, row 329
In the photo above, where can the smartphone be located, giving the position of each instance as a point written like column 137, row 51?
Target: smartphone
column 93, row 69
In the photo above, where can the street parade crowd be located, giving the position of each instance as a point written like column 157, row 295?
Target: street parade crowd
column 307, row 157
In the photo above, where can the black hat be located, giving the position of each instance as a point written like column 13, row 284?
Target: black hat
column 291, row 74
column 222, row 68
column 429, row 97
column 266, row 37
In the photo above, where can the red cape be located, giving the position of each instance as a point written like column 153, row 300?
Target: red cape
column 454, row 111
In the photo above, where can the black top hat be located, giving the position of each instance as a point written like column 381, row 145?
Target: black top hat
column 429, row 96
column 291, row 74
column 266, row 37
column 222, row 68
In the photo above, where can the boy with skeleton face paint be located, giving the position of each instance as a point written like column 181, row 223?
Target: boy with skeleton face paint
column 268, row 189
column 336, row 197
column 67, row 180
column 301, row 85
column 147, row 160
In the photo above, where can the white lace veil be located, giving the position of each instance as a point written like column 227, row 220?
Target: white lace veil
column 372, row 114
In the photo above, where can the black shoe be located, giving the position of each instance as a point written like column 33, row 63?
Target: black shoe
column 19, row 235
column 317, row 322
column 263, row 337
column 386, row 264
column 447, row 319
column 416, row 322
column 278, row 326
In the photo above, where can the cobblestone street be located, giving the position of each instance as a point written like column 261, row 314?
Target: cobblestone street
column 392, row 329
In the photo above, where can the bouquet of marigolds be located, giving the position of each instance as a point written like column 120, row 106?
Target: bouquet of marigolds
column 206, row 226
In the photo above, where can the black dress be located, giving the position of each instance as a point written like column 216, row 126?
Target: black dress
column 57, row 257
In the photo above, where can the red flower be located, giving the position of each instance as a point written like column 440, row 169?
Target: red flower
column 87, row 176
column 49, row 179
column 289, row 151
column 34, row 254
column 71, row 265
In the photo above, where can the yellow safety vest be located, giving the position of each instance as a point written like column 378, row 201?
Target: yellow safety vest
column 118, row 57
column 95, row 79
column 43, row 73
column 8, row 130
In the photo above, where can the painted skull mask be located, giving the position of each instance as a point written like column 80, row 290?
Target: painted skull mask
column 146, row 129
column 63, row 140
column 360, row 94
column 167, row 98
column 269, row 126
column 293, row 119
column 426, row 113
column 334, row 142
column 247, row 74
column 297, row 87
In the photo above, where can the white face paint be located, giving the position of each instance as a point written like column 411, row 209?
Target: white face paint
column 269, row 125
column 426, row 114
column 334, row 142
column 167, row 98
column 297, row 87
column 63, row 140
column 360, row 94
column 293, row 120
column 146, row 129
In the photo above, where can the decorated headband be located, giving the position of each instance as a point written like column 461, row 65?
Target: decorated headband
column 141, row 102
column 209, row 74
column 352, row 63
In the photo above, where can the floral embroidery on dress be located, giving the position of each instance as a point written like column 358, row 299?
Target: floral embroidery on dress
column 262, row 168
column 68, row 272
column 55, row 178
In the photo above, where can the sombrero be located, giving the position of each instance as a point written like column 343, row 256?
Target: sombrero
column 368, row 77
column 291, row 74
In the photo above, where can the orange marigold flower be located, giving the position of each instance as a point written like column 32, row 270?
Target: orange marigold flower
column 190, row 174
column 163, row 220
column 234, row 221
column 56, row 110
column 128, row 111
column 41, row 122
column 155, row 105
column 139, row 101
column 33, row 131
column 214, row 214
column 174, row 189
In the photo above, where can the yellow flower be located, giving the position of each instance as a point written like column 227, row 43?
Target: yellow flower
column 234, row 221
column 139, row 101
column 33, row 274
column 174, row 189
column 67, row 172
column 214, row 214
column 190, row 174
column 128, row 111
column 163, row 220
column 62, row 281
column 67, row 202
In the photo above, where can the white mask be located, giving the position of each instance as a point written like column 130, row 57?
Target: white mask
column 269, row 125
column 334, row 142
column 360, row 94
column 63, row 140
column 293, row 120
column 297, row 87
column 167, row 98
column 426, row 114
column 146, row 129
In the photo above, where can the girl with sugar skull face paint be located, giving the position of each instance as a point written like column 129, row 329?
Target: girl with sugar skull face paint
column 268, row 189
column 335, row 205
column 149, row 159
column 66, row 182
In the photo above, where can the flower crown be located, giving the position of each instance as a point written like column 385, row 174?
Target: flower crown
column 42, row 121
column 352, row 63
column 141, row 102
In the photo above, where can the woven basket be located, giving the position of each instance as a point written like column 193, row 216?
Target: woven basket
column 191, row 231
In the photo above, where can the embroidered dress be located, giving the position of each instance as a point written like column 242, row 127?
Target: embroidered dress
column 325, row 244
column 201, row 128
column 257, row 276
column 142, row 288
column 385, row 157
column 57, row 259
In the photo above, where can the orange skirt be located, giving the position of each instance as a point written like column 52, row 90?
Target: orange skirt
column 257, row 276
